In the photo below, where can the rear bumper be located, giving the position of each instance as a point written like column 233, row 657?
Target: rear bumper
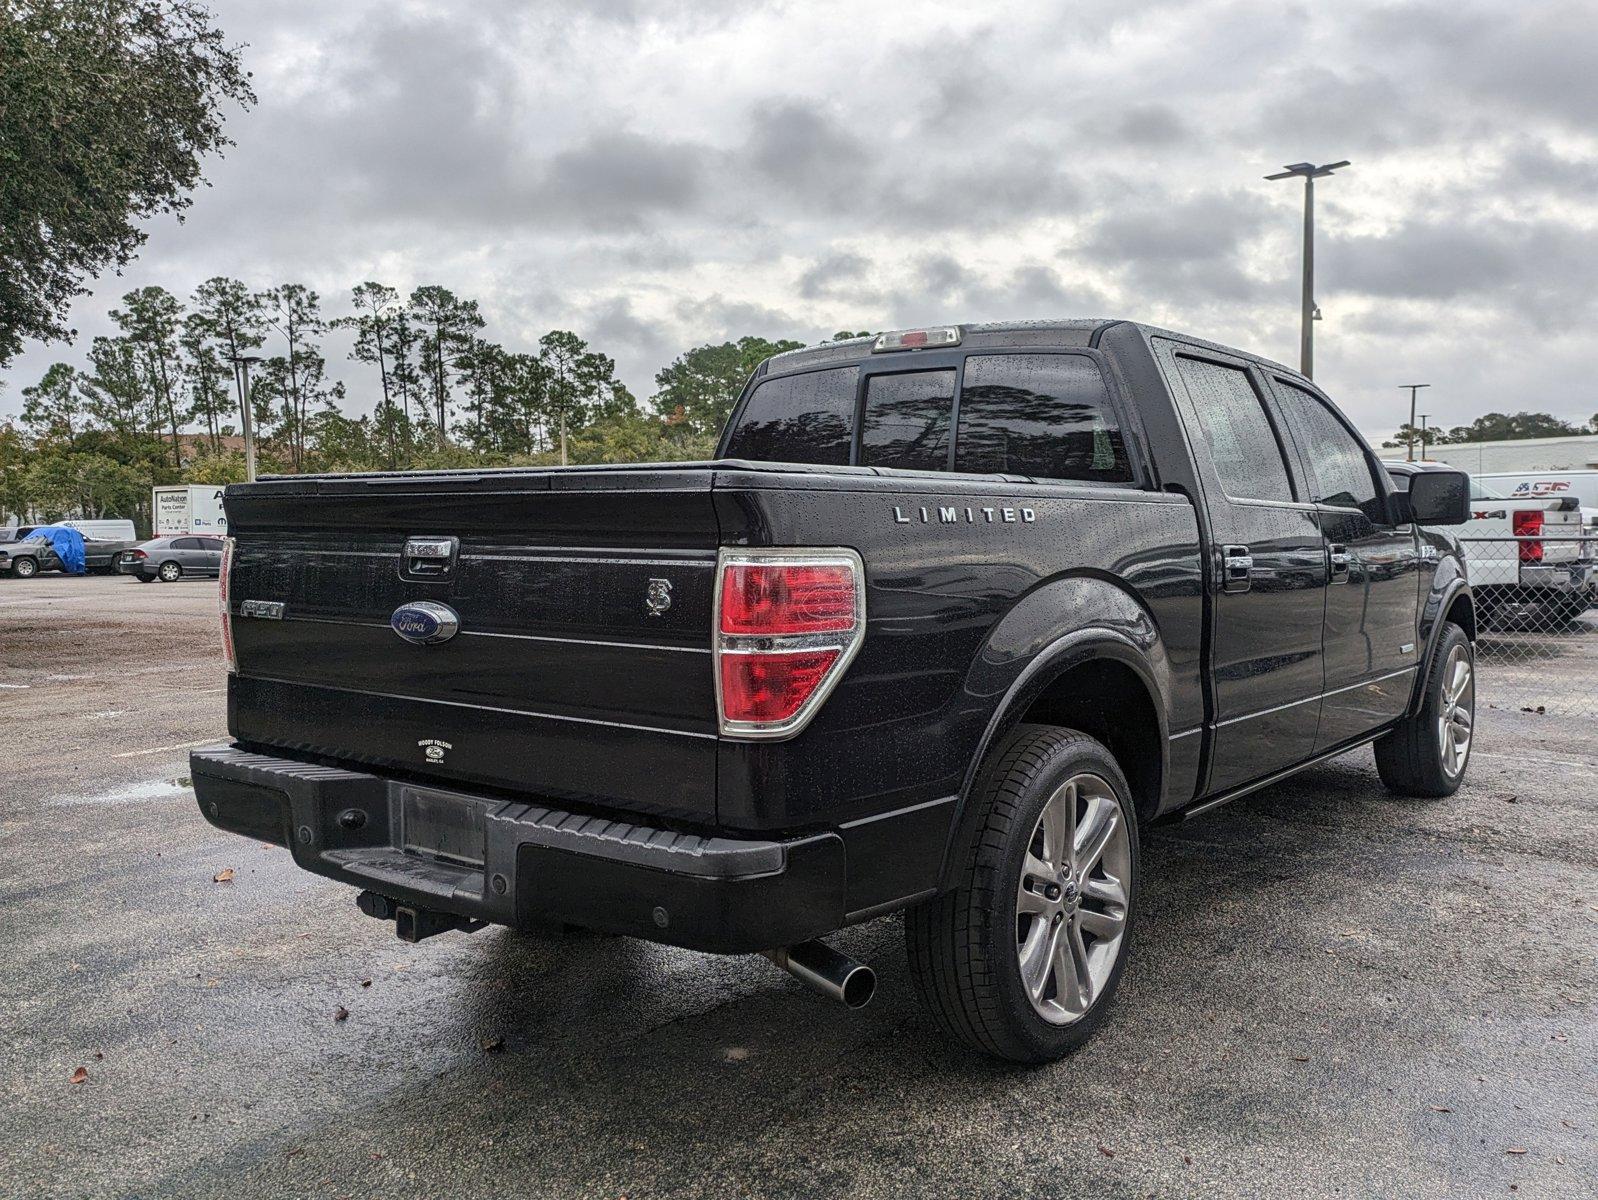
column 1570, row 578
column 520, row 864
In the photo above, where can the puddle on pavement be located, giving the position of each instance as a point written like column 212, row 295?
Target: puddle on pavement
column 138, row 793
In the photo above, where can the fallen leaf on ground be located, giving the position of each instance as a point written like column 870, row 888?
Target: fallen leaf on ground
column 81, row 1075
column 225, row 875
column 341, row 1013
column 1441, row 1108
column 366, row 983
column 1107, row 1152
column 493, row 1045
column 1515, row 1150
column 1300, row 1058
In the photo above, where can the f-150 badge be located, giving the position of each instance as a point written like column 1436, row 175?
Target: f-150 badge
column 425, row 622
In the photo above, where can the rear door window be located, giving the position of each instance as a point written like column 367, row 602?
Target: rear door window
column 186, row 544
column 906, row 420
column 1338, row 466
column 1047, row 416
column 1240, row 438
column 806, row 418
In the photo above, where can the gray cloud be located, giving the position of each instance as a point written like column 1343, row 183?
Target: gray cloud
column 659, row 175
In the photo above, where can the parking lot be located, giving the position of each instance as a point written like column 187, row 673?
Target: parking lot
column 1333, row 992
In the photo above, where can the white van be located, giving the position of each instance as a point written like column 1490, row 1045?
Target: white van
column 117, row 530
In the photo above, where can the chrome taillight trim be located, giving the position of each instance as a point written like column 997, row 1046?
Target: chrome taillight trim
column 846, row 641
column 224, row 591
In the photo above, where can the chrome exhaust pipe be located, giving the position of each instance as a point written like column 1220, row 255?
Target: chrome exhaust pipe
column 822, row 969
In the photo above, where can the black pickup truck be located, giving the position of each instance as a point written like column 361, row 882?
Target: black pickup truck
column 953, row 615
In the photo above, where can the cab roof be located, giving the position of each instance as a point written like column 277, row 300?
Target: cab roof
column 1001, row 335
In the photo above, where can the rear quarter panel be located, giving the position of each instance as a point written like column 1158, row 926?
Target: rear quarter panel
column 960, row 600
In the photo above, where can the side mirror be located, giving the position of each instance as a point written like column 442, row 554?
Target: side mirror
column 1439, row 497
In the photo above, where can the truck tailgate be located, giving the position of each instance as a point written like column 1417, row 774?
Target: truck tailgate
column 574, row 673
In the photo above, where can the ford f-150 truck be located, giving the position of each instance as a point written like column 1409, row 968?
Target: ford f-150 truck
column 954, row 614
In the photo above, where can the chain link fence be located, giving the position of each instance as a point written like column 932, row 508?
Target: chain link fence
column 1537, row 627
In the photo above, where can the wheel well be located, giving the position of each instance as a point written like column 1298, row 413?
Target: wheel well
column 1462, row 612
column 1108, row 700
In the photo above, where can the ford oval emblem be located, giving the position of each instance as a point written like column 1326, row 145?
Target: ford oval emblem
column 424, row 622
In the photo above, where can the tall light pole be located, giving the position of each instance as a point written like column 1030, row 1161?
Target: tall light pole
column 242, row 363
column 1306, row 337
column 1423, row 417
column 1414, row 389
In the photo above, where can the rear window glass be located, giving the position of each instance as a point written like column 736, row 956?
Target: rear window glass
column 1237, row 433
column 805, row 418
column 906, row 421
column 1042, row 415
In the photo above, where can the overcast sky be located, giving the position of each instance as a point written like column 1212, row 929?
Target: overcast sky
column 655, row 176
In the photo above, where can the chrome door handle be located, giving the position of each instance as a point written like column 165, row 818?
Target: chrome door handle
column 1237, row 567
column 1340, row 559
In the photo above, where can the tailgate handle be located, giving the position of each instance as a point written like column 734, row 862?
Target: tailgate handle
column 429, row 557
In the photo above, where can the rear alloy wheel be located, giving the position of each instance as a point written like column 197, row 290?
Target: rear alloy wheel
column 24, row 567
column 1071, row 902
column 1021, row 958
column 170, row 572
column 1426, row 754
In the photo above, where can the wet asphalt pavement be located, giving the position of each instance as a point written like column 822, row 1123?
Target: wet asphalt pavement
column 1333, row 992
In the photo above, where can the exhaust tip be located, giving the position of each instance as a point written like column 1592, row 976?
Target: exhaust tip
column 824, row 970
column 859, row 986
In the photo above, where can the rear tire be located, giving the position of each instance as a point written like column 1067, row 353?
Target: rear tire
column 1427, row 754
column 24, row 567
column 1022, row 958
column 145, row 578
column 170, row 572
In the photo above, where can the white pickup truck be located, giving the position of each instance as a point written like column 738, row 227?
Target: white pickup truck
column 1523, row 553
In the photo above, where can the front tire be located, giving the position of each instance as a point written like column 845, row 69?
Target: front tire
column 1022, row 958
column 24, row 567
column 1426, row 755
column 170, row 572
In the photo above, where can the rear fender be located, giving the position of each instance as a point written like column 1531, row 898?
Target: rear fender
column 1052, row 630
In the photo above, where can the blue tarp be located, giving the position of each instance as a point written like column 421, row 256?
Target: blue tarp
column 68, row 545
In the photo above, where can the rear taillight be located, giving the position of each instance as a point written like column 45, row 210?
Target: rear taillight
column 787, row 624
column 1528, row 523
column 138, row 554
column 224, row 585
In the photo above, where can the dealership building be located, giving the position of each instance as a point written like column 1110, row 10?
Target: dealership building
column 1579, row 453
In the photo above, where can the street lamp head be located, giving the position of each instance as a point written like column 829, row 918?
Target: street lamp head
column 1308, row 170
column 248, row 359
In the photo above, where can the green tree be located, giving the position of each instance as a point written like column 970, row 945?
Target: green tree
column 229, row 317
column 448, row 325
column 107, row 108
column 697, row 391
column 377, row 310
column 53, row 408
column 15, row 498
column 151, row 322
column 118, row 389
column 65, row 483
column 295, row 312
column 208, row 400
